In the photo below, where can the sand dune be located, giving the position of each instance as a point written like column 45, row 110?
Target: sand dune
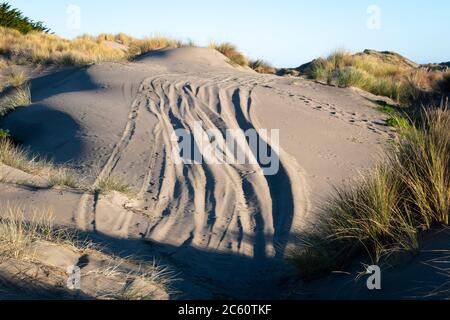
column 223, row 226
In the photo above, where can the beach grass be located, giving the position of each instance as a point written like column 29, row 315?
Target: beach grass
column 387, row 209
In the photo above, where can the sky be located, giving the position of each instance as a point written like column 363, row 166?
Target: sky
column 286, row 33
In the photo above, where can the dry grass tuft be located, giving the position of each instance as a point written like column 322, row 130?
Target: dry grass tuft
column 141, row 46
column 17, row 97
column 17, row 79
column 231, row 52
column 114, row 183
column 17, row 233
column 262, row 66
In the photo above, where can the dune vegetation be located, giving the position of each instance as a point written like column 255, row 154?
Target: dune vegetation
column 387, row 210
column 231, row 52
column 25, row 233
column 17, row 97
column 262, row 66
column 385, row 74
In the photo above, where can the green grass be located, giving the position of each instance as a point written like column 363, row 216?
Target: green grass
column 385, row 211
column 114, row 183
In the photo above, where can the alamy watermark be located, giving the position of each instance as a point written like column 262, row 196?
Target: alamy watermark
column 374, row 20
column 230, row 146
column 374, row 280
column 74, row 278
column 73, row 21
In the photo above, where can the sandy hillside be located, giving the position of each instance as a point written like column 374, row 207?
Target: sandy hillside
column 222, row 227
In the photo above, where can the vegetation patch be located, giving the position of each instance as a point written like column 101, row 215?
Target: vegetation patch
column 385, row 211
column 231, row 52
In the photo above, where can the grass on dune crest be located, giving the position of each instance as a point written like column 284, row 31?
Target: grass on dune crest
column 262, row 66
column 388, row 208
column 44, row 48
column 394, row 79
column 231, row 52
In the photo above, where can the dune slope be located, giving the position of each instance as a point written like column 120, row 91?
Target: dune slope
column 224, row 226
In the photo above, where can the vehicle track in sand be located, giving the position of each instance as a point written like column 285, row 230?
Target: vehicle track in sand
column 219, row 210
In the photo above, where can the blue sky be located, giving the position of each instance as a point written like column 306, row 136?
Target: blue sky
column 285, row 32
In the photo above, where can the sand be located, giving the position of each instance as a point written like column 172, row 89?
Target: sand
column 223, row 227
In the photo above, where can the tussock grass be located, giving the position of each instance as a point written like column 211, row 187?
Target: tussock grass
column 387, row 209
column 17, row 79
column 17, row 97
column 113, row 183
column 43, row 48
column 393, row 77
column 64, row 177
column 231, row 52
column 262, row 66
column 141, row 46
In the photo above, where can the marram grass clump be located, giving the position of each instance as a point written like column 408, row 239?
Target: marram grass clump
column 385, row 211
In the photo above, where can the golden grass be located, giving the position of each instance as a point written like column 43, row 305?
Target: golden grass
column 141, row 46
column 385, row 211
column 36, row 47
column 17, row 79
column 18, row 97
column 3, row 63
column 42, row 48
column 231, row 52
